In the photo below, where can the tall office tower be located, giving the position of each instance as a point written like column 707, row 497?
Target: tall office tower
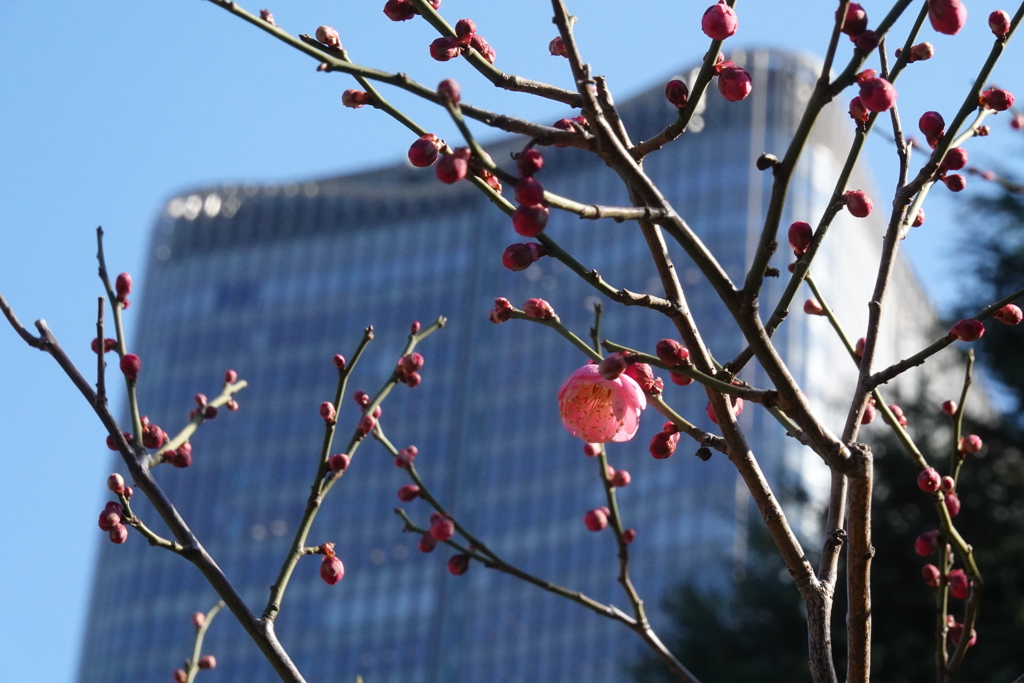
column 273, row 280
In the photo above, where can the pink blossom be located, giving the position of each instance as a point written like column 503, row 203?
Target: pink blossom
column 600, row 410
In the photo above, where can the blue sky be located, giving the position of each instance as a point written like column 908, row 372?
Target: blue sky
column 107, row 108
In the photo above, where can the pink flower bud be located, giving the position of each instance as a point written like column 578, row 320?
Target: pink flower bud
column 444, row 49
column 480, row 45
column 800, row 234
column 557, row 47
column 327, row 412
column 338, row 462
column 595, row 520
column 119, row 534
column 354, row 99
column 377, row 412
column 927, row 543
column 198, row 619
column 949, row 407
column 967, row 330
column 954, row 160
column 442, row 529
column 613, row 366
column 737, row 409
column 928, row 480
column 812, row 307
column 123, row 286
column 869, row 414
column 501, row 312
column 999, row 22
column 996, row 99
column 366, row 424
column 621, row 478
column 931, row 575
column 109, row 519
column 957, row 630
column 331, row 570
column 970, row 444
column 424, row 151
column 180, row 676
column 866, row 41
column 628, row 536
column 921, row 52
column 856, row 20
column 663, row 445
column 858, row 349
column 734, row 83
column 858, row 203
column 947, row 484
column 458, row 564
column 858, row 112
column 677, row 93
column 230, row 376
column 266, row 16
column 591, row 450
column 539, row 309
column 918, row 218
column 947, row 16
column 411, row 380
column 521, row 256
column 399, row 10
column 449, row 91
column 328, row 36
column 680, row 379
column 877, row 94
column 108, row 345
column 410, row 362
column 115, row 482
column 130, row 366
column 207, row 662
column 952, row 502
column 529, row 191
column 427, row 543
column 932, row 124
column 530, row 220
column 361, row 398
column 642, row 375
column 451, row 169
column 406, row 456
column 955, row 182
column 408, row 493
column 200, row 400
column 464, row 30
column 529, row 162
column 1009, row 314
column 672, row 353
column 959, row 584
column 719, row 21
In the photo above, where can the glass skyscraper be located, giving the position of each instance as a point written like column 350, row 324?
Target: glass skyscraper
column 273, row 280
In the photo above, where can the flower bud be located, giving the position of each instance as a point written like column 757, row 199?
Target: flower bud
column 932, row 124
column 480, row 45
column 644, row 376
column 529, row 191
column 366, row 424
column 328, row 36
column 399, row 10
column 108, row 345
column 928, row 480
column 947, row 484
column 207, row 662
column 595, row 520
column 354, row 99
column 812, row 307
column 931, row 575
column 426, row 543
column 921, row 52
column 967, row 330
column 557, row 47
column 877, row 94
column 198, row 619
column 680, row 379
column 719, row 21
column 927, row 543
column 449, row 91
column 408, row 493
column 109, row 518
column 115, row 482
column 970, row 444
column 424, row 151
column 406, row 456
column 918, row 218
column 620, row 478
column 957, row 630
column 612, row 366
column 123, row 286
column 521, row 256
column 949, row 407
column 869, row 414
column 266, row 16
column 130, row 366
column 677, row 93
column 856, row 20
column 501, row 312
column 119, row 534
column 338, row 462
column 1009, row 314
column 530, row 220
column 529, row 162
column 628, row 536
column 734, row 83
column 858, row 112
column 592, row 450
column 327, row 412
column 410, row 362
column 858, row 203
column 331, row 570
column 952, row 502
column 959, row 584
column 866, row 41
column 955, row 182
column 539, row 309
column 954, row 160
column 663, row 445
column 442, row 529
column 451, row 169
column 947, row 16
column 458, row 564
column 180, row 676
column 672, row 353
column 999, row 22
column 996, row 99
column 800, row 234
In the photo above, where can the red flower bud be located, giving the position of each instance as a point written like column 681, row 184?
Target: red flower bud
column 130, row 366
column 947, row 16
column 423, row 152
column 612, row 366
column 354, row 99
column 207, row 662
column 921, row 52
column 410, row 362
column 109, row 519
column 366, row 424
column 664, row 444
column 621, row 478
column 955, row 182
column 877, row 94
column 928, row 480
column 680, row 379
column 812, row 307
column 949, row 407
column 529, row 191
column 452, row 168
column 331, row 570
column 123, row 286
column 967, row 330
column 734, row 83
column 464, row 30
column 957, row 630
column 198, row 619
column 328, row 36
column 970, row 444
column 442, row 529
column 996, row 99
column 999, row 22
column 399, row 10
column 539, row 309
column 408, row 493
column 501, row 312
column 444, row 49
column 931, row 575
column 119, row 534
column 866, row 41
column 115, row 482
column 530, row 220
column 677, row 93
column 427, row 543
column 180, row 676
column 361, row 398
column 672, row 353
column 153, row 436
column 108, row 345
column 954, row 160
column 1009, row 314
column 947, row 484
column 449, row 90
column 480, row 45
column 458, row 564
column 595, row 520
column 557, row 47
column 858, row 112
column 927, row 543
column 952, row 502
column 959, row 584
column 932, row 124
column 869, row 414
column 719, row 21
column 644, row 376
column 266, row 16
column 628, row 536
column 338, row 462
column 521, row 256
column 858, row 203
column 856, row 20
column 858, row 348
column 800, row 234
column 918, row 218
column 529, row 162
column 737, row 409
column 327, row 412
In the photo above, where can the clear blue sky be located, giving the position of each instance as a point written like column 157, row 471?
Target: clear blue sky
column 106, row 108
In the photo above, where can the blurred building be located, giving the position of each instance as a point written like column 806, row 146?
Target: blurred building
column 273, row 280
